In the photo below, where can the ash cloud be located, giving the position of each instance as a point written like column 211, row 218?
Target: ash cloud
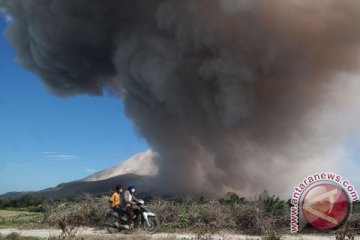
column 233, row 95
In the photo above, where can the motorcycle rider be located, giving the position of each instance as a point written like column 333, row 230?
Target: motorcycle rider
column 116, row 203
column 131, row 205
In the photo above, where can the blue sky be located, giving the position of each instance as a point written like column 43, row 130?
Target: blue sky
column 46, row 140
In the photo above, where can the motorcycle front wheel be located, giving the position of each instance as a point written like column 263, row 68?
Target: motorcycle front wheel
column 110, row 224
column 153, row 225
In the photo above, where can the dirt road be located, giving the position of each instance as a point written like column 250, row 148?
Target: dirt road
column 102, row 234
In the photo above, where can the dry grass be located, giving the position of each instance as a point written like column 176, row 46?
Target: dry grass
column 213, row 216
column 20, row 219
column 259, row 217
column 350, row 229
column 69, row 217
column 9, row 214
column 133, row 236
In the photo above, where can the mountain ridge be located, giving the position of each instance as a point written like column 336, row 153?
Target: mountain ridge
column 139, row 170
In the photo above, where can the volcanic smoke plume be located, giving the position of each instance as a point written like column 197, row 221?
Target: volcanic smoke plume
column 239, row 95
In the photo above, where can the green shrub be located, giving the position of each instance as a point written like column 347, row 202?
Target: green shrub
column 13, row 236
column 353, row 224
column 273, row 204
column 272, row 236
column 356, row 207
column 231, row 198
column 30, row 203
column 26, row 219
column 231, row 224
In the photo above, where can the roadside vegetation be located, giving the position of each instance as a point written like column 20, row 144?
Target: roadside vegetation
column 25, row 212
column 136, row 236
column 260, row 216
column 265, row 215
column 20, row 219
column 28, row 203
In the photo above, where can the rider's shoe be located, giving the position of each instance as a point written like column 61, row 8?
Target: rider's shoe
column 117, row 224
column 126, row 227
column 136, row 224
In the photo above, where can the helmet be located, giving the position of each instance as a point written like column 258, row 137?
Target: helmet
column 131, row 186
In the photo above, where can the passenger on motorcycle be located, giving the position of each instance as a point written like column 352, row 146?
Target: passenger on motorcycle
column 116, row 203
column 131, row 205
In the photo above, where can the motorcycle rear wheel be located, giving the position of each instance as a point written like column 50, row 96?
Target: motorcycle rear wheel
column 110, row 224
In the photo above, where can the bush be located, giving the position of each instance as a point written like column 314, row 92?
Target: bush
column 352, row 225
column 345, row 233
column 232, row 197
column 356, row 206
column 69, row 217
column 13, row 236
column 273, row 204
column 251, row 217
column 25, row 219
column 31, row 203
column 272, row 236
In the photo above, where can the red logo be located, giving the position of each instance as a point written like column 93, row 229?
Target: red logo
column 325, row 206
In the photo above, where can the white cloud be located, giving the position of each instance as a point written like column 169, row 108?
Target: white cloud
column 60, row 156
column 63, row 157
column 89, row 170
column 49, row 152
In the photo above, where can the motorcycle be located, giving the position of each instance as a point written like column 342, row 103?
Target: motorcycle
column 148, row 220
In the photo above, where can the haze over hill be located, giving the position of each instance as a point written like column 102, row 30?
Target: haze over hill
column 141, row 164
column 139, row 169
